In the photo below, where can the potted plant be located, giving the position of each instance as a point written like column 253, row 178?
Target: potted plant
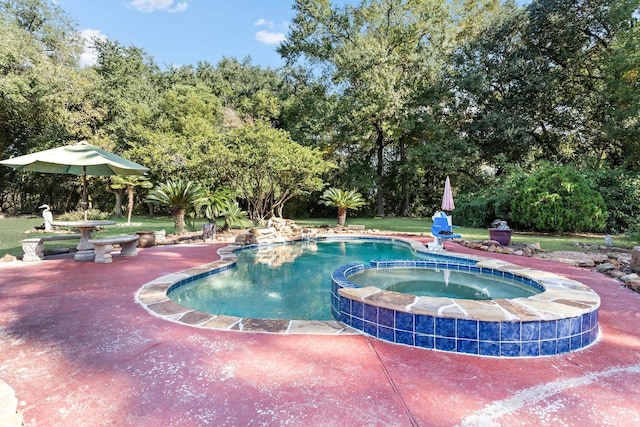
column 500, row 232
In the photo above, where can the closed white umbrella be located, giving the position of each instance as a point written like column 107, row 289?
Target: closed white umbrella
column 447, row 197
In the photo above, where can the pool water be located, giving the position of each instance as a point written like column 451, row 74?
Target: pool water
column 442, row 283
column 289, row 281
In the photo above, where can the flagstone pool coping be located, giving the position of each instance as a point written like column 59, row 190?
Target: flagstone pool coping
column 562, row 298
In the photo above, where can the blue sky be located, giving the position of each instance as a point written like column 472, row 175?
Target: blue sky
column 183, row 32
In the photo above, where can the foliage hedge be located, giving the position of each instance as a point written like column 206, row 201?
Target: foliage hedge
column 558, row 200
column 620, row 190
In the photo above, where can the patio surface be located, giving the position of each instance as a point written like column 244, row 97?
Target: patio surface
column 78, row 351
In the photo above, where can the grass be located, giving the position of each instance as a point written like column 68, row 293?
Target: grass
column 12, row 231
column 548, row 242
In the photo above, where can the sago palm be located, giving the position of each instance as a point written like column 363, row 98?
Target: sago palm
column 180, row 196
column 342, row 200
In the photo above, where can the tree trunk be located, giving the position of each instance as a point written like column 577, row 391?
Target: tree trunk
column 342, row 216
column 380, row 171
column 178, row 219
column 130, row 205
column 118, row 194
column 404, row 181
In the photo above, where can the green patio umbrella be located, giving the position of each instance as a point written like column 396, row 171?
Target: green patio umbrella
column 80, row 158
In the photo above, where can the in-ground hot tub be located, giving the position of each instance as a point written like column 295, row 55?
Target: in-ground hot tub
column 561, row 318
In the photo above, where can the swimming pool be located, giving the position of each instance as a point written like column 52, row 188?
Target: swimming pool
column 562, row 318
column 286, row 281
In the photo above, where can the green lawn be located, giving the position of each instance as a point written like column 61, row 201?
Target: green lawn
column 549, row 242
column 12, row 231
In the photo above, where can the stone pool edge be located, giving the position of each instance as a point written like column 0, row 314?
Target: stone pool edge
column 153, row 295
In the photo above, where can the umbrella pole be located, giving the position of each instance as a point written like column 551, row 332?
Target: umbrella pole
column 84, row 191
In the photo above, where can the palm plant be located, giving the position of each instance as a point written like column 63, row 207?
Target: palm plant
column 342, row 200
column 232, row 214
column 129, row 182
column 179, row 196
column 214, row 203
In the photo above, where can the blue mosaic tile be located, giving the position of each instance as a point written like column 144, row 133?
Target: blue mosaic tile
column 575, row 342
column 357, row 309
column 593, row 335
column 386, row 317
column 445, row 344
column 586, row 322
column 489, row 331
column 425, row 341
column 530, row 331
column 563, row 345
column 594, row 318
column 548, row 348
column 467, row 329
column 489, row 348
column 370, row 313
column 510, row 349
column 404, row 321
column 445, row 327
column 370, row 328
column 468, row 346
column 564, row 328
column 403, row 337
column 548, row 330
column 345, row 318
column 345, row 305
column 510, row 331
column 425, row 324
column 357, row 323
column 386, row 334
column 576, row 326
column 530, row 348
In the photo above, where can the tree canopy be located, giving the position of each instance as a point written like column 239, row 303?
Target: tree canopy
column 386, row 97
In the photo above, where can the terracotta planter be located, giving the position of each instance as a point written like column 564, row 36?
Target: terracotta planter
column 147, row 239
column 501, row 235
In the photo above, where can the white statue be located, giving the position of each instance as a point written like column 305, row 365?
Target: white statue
column 48, row 217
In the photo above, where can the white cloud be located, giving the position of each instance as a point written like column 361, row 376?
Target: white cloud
column 269, row 37
column 263, row 23
column 89, row 55
column 148, row 6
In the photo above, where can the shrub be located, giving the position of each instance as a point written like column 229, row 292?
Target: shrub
column 490, row 201
column 633, row 232
column 558, row 199
column 620, row 190
column 92, row 214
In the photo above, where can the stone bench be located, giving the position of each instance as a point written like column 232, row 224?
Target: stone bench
column 103, row 247
column 33, row 247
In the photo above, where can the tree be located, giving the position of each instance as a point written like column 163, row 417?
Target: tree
column 532, row 85
column 267, row 168
column 180, row 196
column 129, row 182
column 184, row 136
column 342, row 200
column 384, row 60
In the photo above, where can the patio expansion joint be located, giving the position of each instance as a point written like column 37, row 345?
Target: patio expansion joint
column 392, row 384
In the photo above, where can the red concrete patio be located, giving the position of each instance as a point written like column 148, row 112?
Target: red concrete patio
column 79, row 351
